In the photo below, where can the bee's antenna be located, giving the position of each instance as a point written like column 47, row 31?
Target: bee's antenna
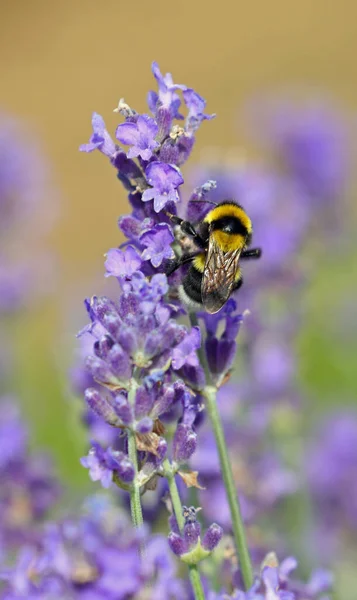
column 203, row 200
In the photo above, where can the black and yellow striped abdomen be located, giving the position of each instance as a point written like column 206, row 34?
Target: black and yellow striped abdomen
column 192, row 282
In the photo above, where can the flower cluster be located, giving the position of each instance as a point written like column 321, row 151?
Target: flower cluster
column 188, row 545
column 143, row 368
column 275, row 583
column 94, row 556
column 150, row 375
column 29, row 489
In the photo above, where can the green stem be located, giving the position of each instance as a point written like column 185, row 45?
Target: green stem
column 177, row 506
column 240, row 541
column 135, row 500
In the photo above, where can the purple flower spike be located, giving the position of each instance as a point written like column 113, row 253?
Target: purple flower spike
column 212, row 537
column 196, row 105
column 164, row 179
column 140, row 136
column 100, row 138
column 122, row 263
column 158, row 242
column 184, row 443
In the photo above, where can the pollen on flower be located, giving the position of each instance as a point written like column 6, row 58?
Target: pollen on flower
column 124, row 109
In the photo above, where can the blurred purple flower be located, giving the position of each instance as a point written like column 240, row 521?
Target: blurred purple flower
column 331, row 465
column 275, row 583
column 28, row 486
column 85, row 558
column 312, row 141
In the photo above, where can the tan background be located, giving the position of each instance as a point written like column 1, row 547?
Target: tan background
column 62, row 60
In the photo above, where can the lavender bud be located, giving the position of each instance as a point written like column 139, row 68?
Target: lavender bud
column 177, row 544
column 120, row 363
column 220, row 354
column 191, row 533
column 101, row 406
column 144, row 400
column 212, row 537
column 102, row 346
column 127, row 339
column 164, row 120
column 120, row 463
column 184, row 443
column 164, row 402
column 100, row 370
column 123, row 408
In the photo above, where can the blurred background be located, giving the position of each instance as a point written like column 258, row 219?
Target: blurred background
column 59, row 63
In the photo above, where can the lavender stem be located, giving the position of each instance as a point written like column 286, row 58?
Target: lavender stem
column 135, row 500
column 177, row 506
column 240, row 541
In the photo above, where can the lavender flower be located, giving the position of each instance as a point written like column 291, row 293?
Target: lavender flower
column 91, row 557
column 103, row 465
column 148, row 380
column 164, row 179
column 220, row 351
column 196, row 105
column 140, row 136
column 275, row 583
column 167, row 96
column 157, row 242
column 100, row 139
column 122, row 263
column 188, row 546
column 29, row 489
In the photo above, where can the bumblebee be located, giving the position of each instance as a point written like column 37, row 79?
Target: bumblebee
column 222, row 238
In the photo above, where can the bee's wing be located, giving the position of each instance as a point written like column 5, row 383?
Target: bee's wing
column 218, row 276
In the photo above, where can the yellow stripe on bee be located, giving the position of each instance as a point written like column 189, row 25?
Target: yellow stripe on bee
column 228, row 241
column 238, row 275
column 199, row 262
column 229, row 210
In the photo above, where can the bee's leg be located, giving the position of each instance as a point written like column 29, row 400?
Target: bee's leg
column 188, row 229
column 238, row 284
column 173, row 265
column 251, row 253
